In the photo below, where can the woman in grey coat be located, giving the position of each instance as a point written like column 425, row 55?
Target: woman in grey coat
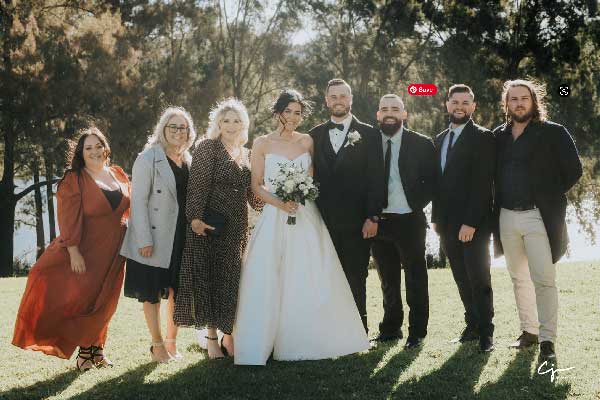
column 156, row 234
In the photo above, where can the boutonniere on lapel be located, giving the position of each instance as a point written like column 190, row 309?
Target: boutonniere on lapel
column 353, row 138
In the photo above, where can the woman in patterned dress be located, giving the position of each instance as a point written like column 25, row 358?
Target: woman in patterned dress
column 73, row 289
column 211, row 265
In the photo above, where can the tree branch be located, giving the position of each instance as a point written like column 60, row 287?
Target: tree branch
column 31, row 188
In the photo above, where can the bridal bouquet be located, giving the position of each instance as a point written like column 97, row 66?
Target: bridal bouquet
column 294, row 184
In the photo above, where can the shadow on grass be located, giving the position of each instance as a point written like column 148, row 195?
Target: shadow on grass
column 518, row 382
column 343, row 378
column 362, row 376
column 456, row 378
column 42, row 390
column 133, row 379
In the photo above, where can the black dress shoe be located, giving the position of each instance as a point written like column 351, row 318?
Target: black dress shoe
column 386, row 337
column 413, row 342
column 525, row 340
column 486, row 344
column 468, row 335
column 547, row 350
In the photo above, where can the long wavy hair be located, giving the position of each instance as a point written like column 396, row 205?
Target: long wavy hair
column 217, row 113
column 538, row 94
column 75, row 162
column 158, row 135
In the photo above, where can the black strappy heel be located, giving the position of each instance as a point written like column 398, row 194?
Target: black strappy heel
column 104, row 362
column 224, row 349
column 85, row 354
column 217, row 339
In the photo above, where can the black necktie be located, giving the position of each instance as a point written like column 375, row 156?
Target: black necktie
column 333, row 125
column 450, row 143
column 388, row 162
column 450, row 140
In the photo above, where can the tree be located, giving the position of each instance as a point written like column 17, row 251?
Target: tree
column 44, row 71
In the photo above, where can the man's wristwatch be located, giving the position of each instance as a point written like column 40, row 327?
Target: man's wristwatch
column 374, row 219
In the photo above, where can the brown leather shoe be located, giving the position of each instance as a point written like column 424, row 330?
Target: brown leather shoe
column 525, row 340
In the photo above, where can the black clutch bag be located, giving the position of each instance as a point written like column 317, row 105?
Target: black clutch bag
column 215, row 220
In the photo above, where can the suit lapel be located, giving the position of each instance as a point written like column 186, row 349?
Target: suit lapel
column 161, row 164
column 403, row 156
column 458, row 144
column 439, row 142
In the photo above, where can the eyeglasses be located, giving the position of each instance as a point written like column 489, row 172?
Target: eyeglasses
column 178, row 129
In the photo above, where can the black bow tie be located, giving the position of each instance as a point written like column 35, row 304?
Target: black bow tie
column 333, row 125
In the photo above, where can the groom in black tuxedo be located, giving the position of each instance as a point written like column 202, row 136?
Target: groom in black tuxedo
column 410, row 173
column 462, row 211
column 349, row 169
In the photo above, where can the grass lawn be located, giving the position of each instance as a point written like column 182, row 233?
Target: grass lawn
column 439, row 370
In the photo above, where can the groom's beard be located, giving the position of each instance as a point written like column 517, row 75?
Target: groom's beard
column 459, row 121
column 339, row 112
column 389, row 126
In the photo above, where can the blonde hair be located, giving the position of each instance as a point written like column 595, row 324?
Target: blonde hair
column 217, row 113
column 158, row 136
column 537, row 92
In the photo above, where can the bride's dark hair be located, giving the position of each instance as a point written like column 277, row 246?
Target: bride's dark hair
column 288, row 96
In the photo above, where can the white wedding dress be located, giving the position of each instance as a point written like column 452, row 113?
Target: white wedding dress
column 294, row 299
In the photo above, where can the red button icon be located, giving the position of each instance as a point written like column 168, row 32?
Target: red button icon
column 422, row 89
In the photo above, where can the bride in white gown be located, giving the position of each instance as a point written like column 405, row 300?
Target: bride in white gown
column 294, row 299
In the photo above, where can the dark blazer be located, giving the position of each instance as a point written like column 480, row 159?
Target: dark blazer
column 554, row 168
column 418, row 169
column 464, row 192
column 351, row 181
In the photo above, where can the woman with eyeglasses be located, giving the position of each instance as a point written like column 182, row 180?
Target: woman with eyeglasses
column 217, row 209
column 73, row 289
column 156, row 234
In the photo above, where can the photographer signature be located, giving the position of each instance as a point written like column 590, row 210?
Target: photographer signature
column 551, row 371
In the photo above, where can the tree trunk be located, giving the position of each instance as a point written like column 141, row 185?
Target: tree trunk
column 50, row 194
column 39, row 211
column 7, row 199
column 7, row 230
column 7, row 204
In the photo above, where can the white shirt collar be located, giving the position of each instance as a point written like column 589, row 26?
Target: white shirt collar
column 397, row 138
column 346, row 122
column 458, row 129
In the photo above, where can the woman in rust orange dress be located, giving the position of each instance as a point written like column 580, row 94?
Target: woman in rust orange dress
column 73, row 289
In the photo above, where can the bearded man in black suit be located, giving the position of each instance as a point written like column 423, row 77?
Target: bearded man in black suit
column 349, row 169
column 462, row 212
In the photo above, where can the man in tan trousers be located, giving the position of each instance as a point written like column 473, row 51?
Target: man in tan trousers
column 537, row 164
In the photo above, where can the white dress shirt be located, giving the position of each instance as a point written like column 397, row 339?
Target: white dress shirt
column 397, row 202
column 457, row 131
column 336, row 136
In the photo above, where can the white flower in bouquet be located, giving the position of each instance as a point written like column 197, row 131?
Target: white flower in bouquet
column 289, row 186
column 294, row 184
